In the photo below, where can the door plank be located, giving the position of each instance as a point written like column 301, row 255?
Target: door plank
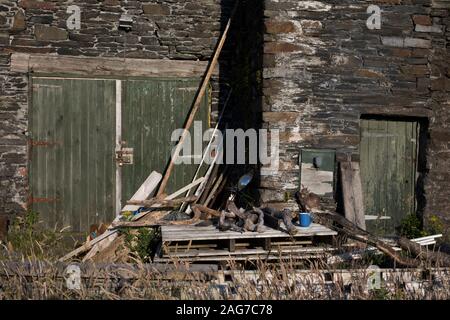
column 388, row 171
column 352, row 191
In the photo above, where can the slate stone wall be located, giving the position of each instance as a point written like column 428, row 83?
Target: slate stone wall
column 323, row 69
column 170, row 29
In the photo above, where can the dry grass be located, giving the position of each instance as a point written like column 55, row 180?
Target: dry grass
column 28, row 270
column 29, row 279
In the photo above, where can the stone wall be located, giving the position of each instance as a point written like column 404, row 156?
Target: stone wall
column 323, row 69
column 171, row 29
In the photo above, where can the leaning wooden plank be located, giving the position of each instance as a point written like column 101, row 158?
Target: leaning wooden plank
column 197, row 103
column 144, row 191
column 165, row 203
column 172, row 196
column 352, row 192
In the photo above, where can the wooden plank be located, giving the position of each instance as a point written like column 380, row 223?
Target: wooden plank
column 219, row 252
column 101, row 66
column 152, row 110
column 144, row 191
column 118, row 143
column 346, row 178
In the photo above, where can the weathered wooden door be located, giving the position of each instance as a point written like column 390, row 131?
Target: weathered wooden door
column 72, row 162
column 388, row 160
column 75, row 125
column 152, row 110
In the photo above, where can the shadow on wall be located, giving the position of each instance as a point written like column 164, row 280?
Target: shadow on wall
column 241, row 66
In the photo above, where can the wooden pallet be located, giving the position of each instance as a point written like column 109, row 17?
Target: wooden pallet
column 201, row 244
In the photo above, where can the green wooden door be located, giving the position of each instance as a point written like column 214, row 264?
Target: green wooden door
column 73, row 133
column 72, row 165
column 151, row 110
column 388, row 160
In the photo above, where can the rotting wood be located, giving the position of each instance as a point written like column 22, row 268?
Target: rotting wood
column 352, row 192
column 197, row 103
column 102, row 66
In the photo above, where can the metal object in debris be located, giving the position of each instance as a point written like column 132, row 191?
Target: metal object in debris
column 374, row 279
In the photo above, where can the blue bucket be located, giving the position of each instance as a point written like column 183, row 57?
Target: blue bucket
column 305, row 219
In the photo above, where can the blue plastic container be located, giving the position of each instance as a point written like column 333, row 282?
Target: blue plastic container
column 305, row 219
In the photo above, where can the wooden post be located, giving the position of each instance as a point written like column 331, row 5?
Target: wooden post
column 352, row 192
column 197, row 103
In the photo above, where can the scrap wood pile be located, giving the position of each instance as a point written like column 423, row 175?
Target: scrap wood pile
column 141, row 212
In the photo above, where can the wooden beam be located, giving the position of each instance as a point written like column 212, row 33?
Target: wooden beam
column 101, row 66
column 352, row 193
column 144, row 191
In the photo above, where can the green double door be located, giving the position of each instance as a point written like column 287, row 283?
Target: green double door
column 388, row 161
column 76, row 127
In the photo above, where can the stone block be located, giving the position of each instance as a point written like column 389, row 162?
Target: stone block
column 417, row 43
column 32, row 4
column 431, row 29
column 19, row 23
column 422, row 20
column 393, row 41
column 156, row 9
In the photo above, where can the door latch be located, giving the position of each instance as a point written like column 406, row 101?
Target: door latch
column 125, row 156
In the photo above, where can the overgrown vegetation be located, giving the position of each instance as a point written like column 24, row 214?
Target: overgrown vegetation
column 27, row 237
